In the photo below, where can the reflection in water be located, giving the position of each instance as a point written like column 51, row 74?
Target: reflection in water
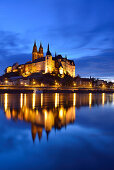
column 6, row 101
column 21, row 100
column 56, row 99
column 41, row 99
column 7, row 110
column 25, row 99
column 33, row 100
column 74, row 99
column 47, row 111
column 113, row 99
column 103, row 99
column 90, row 100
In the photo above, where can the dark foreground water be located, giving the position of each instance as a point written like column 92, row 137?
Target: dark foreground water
column 57, row 131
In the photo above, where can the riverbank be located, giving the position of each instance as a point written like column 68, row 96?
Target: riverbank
column 39, row 89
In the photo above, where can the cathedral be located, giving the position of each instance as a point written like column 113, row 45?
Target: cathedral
column 44, row 64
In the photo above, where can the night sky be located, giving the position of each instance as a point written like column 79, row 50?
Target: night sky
column 81, row 29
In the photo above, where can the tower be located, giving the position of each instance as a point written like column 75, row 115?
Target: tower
column 41, row 49
column 40, row 53
column 48, row 51
column 49, row 62
column 34, row 52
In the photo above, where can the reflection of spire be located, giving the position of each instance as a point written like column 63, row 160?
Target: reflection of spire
column 33, row 136
column 39, row 130
column 47, row 132
column 33, row 131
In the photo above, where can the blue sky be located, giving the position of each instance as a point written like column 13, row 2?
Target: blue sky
column 81, row 29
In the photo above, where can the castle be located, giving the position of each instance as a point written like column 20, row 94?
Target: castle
column 44, row 64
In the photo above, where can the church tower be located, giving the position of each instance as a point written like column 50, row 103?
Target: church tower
column 34, row 52
column 40, row 53
column 49, row 65
column 48, row 51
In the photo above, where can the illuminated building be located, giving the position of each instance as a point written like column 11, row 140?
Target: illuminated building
column 44, row 64
column 8, row 69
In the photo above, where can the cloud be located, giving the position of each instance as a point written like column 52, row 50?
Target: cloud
column 12, row 49
column 101, row 65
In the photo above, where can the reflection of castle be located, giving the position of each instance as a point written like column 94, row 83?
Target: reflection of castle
column 40, row 118
column 47, row 111
column 44, row 64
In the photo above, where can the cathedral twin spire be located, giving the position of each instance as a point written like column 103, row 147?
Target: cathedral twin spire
column 34, row 47
column 41, row 48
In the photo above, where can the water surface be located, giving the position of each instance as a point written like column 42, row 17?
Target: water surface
column 57, row 131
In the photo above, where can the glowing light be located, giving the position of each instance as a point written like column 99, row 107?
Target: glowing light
column 90, row 100
column 8, row 114
column 33, row 100
column 46, row 115
column 25, row 99
column 74, row 99
column 90, row 84
column 56, row 83
column 6, row 81
column 61, row 70
column 42, row 85
column 36, row 112
column 6, row 101
column 103, row 99
column 34, row 82
column 41, row 99
column 56, row 99
column 61, row 113
column 21, row 100
column 103, row 86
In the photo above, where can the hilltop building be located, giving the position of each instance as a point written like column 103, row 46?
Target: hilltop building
column 44, row 64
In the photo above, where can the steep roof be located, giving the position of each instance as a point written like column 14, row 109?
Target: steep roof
column 48, row 51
